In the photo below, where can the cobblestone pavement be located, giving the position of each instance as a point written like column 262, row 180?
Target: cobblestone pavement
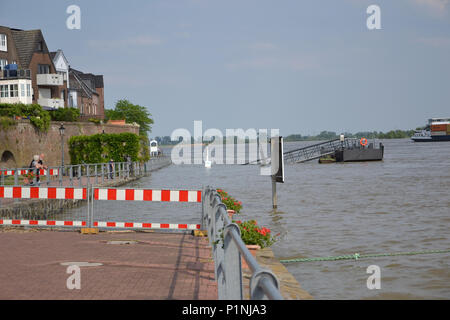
column 150, row 266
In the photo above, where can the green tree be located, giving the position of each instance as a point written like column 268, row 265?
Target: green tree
column 131, row 113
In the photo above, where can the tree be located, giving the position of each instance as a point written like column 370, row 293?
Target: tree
column 131, row 113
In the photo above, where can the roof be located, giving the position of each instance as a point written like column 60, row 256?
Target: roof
column 92, row 80
column 26, row 42
column 55, row 54
column 80, row 84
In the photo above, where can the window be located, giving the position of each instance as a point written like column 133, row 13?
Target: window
column 13, row 90
column 3, row 63
column 3, row 44
column 28, row 90
column 4, row 91
column 22, row 90
column 43, row 68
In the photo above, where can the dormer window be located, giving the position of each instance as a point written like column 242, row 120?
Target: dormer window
column 40, row 46
column 3, row 43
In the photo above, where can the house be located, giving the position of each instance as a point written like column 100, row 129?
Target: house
column 62, row 67
column 30, row 73
column 86, row 92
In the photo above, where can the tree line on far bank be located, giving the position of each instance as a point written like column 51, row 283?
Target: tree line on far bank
column 330, row 135
column 324, row 135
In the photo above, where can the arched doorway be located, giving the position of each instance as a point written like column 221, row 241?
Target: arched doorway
column 8, row 159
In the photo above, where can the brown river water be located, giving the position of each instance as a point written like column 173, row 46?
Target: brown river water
column 399, row 204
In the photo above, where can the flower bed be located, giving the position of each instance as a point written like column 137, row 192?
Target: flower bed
column 252, row 234
column 230, row 202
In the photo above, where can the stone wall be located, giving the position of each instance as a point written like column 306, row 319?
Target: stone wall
column 23, row 140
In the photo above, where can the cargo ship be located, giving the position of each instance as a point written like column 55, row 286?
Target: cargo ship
column 438, row 129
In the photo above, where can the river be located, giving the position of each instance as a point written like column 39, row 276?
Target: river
column 399, row 204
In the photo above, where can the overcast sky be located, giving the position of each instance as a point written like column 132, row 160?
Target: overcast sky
column 300, row 66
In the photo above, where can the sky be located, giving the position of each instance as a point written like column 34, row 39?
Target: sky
column 297, row 66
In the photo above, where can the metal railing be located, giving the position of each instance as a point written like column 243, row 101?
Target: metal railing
column 228, row 248
column 318, row 150
column 81, row 175
column 15, row 74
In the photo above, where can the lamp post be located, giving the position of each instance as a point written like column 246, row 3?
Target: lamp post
column 61, row 132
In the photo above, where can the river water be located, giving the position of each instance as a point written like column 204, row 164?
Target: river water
column 399, row 204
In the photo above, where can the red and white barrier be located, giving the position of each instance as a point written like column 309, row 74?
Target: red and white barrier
column 138, row 225
column 15, row 222
column 42, row 172
column 43, row 193
column 148, row 195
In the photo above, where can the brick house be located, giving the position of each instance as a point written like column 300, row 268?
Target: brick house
column 86, row 92
column 36, row 80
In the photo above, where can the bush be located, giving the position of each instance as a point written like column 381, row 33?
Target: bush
column 65, row 114
column 94, row 120
column 102, row 147
column 34, row 112
column 6, row 122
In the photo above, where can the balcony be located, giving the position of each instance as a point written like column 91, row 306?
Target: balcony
column 15, row 74
column 49, row 79
column 51, row 103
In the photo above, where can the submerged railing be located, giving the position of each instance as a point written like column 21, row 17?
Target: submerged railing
column 228, row 248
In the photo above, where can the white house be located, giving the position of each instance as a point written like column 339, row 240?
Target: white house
column 62, row 67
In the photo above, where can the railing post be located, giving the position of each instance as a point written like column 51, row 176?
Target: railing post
column 232, row 261
column 35, row 178
column 88, row 174
column 71, row 175
column 48, row 176
column 60, row 175
column 16, row 177
column 80, row 178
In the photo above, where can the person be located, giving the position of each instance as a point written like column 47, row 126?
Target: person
column 111, row 168
column 34, row 169
column 41, row 161
column 129, row 165
column 39, row 165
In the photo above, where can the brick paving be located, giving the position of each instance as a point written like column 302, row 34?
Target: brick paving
column 158, row 266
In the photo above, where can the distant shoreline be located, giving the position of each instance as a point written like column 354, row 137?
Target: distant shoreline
column 311, row 140
column 324, row 136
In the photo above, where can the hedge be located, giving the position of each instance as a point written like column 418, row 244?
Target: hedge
column 102, row 147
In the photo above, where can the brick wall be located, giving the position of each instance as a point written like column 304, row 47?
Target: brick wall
column 24, row 141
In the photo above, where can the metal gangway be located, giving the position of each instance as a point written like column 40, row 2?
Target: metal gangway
column 318, row 150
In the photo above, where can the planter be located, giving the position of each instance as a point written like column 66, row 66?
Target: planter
column 253, row 249
column 230, row 213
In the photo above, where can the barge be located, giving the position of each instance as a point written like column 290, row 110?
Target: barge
column 438, row 129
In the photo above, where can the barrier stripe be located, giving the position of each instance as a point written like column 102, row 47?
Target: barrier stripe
column 138, row 225
column 148, row 195
column 43, row 193
column 42, row 172
column 13, row 222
